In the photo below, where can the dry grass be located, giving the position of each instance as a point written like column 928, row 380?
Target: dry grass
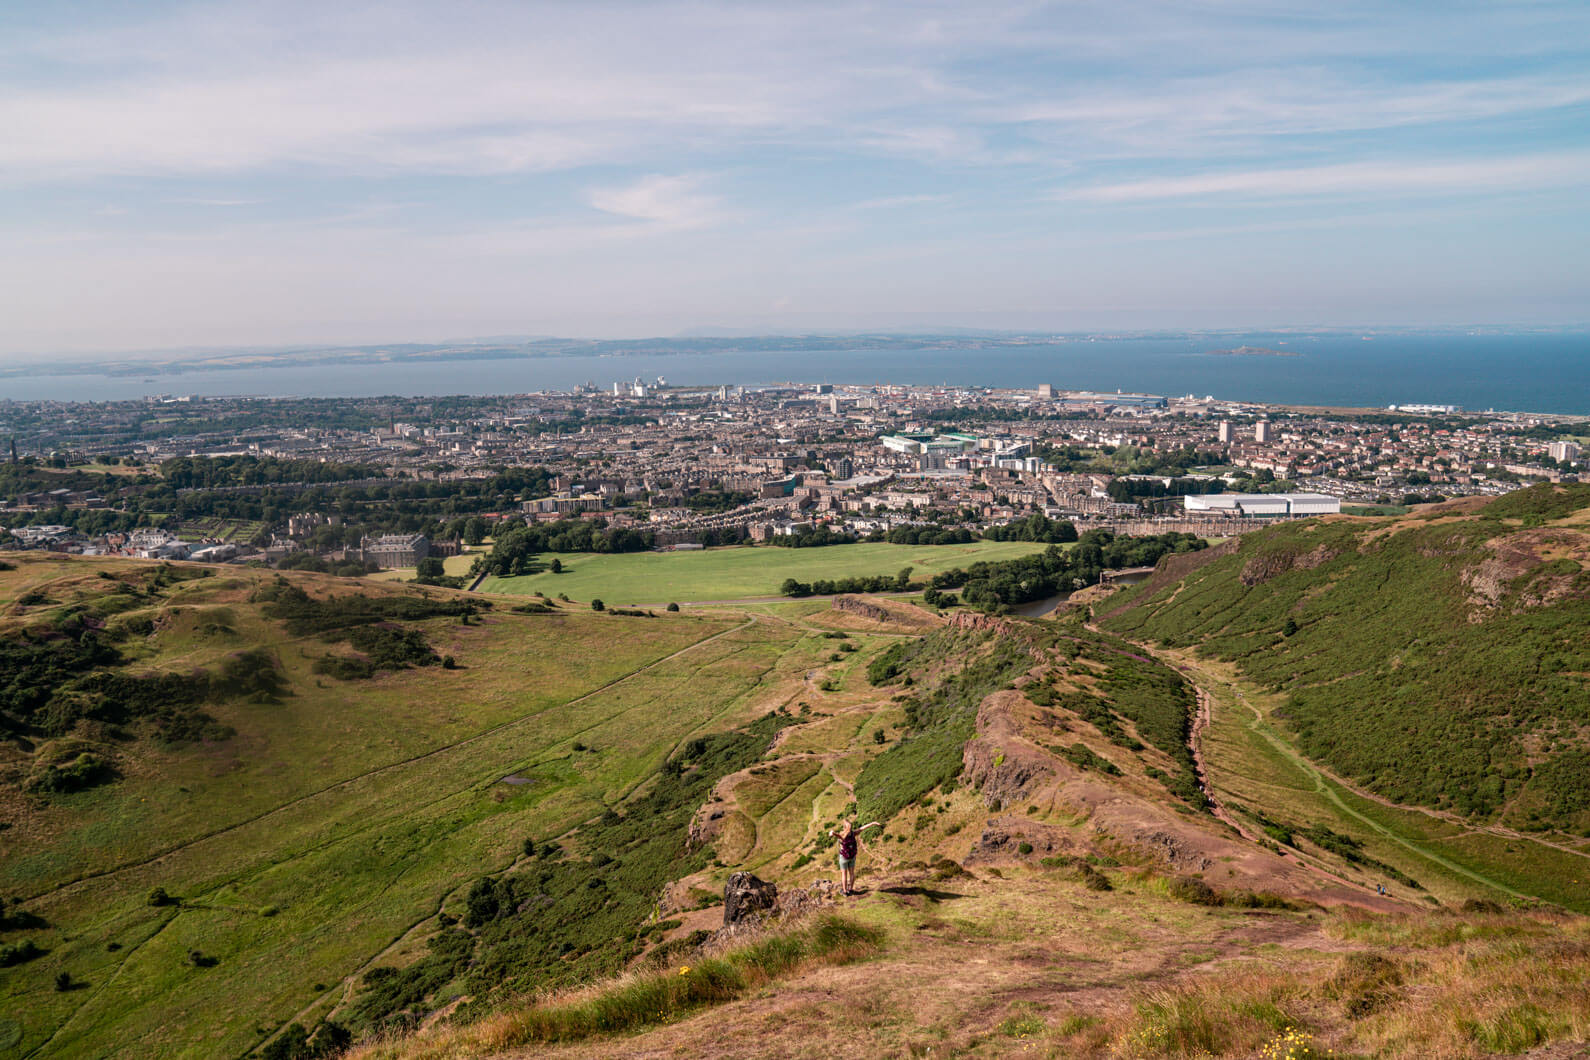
column 1433, row 985
column 1032, row 964
column 650, row 995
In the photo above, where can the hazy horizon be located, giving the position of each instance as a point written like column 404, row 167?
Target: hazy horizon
column 722, row 333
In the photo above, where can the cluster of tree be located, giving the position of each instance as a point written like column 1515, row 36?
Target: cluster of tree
column 1125, row 459
column 924, row 535
column 1126, row 490
column 87, row 770
column 514, row 551
column 1035, row 527
column 877, row 583
column 351, row 568
column 217, row 472
column 306, row 615
column 713, row 501
column 1001, row 585
column 813, row 537
column 368, row 624
column 435, row 508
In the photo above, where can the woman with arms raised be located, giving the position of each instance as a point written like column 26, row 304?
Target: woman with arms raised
column 849, row 837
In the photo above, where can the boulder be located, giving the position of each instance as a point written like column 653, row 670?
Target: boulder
column 745, row 895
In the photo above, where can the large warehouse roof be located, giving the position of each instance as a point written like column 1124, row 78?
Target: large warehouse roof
column 1264, row 504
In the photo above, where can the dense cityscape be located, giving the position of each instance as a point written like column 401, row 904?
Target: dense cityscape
column 385, row 482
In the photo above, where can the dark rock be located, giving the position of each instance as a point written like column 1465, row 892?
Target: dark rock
column 745, row 895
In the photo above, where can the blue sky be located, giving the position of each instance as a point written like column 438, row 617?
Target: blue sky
column 180, row 174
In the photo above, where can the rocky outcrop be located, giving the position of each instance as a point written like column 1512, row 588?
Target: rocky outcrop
column 706, row 825
column 1266, row 565
column 804, row 899
column 977, row 622
column 855, row 605
column 1000, row 762
column 745, row 896
column 1529, row 569
column 1173, row 850
column 1003, row 839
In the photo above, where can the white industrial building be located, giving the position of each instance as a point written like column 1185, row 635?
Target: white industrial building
column 1263, row 505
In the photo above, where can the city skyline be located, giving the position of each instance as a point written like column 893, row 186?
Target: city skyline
column 223, row 175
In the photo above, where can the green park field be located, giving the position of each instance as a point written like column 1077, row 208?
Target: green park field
column 739, row 573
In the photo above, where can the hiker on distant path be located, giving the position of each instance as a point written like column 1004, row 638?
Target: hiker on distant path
column 849, row 837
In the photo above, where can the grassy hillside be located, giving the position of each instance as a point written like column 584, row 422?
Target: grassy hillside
column 320, row 810
column 305, row 831
column 1438, row 659
column 1045, row 885
column 740, row 573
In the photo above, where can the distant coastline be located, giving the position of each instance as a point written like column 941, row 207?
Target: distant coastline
column 1254, row 351
column 1539, row 371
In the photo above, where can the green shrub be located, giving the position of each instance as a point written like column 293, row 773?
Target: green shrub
column 1188, row 889
column 1083, row 757
column 886, row 665
column 1093, row 879
column 13, row 953
column 87, row 770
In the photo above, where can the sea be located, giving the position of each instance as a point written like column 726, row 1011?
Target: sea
column 1535, row 372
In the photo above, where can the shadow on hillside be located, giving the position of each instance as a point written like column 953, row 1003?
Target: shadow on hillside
column 922, row 892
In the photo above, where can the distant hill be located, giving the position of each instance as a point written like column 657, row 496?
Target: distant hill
column 1438, row 659
column 1254, row 351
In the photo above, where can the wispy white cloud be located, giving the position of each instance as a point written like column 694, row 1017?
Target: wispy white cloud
column 1509, row 174
column 676, row 156
column 494, row 88
column 671, row 203
column 1273, row 102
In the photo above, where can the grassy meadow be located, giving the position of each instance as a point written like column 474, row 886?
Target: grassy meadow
column 339, row 822
column 654, row 578
column 454, row 567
